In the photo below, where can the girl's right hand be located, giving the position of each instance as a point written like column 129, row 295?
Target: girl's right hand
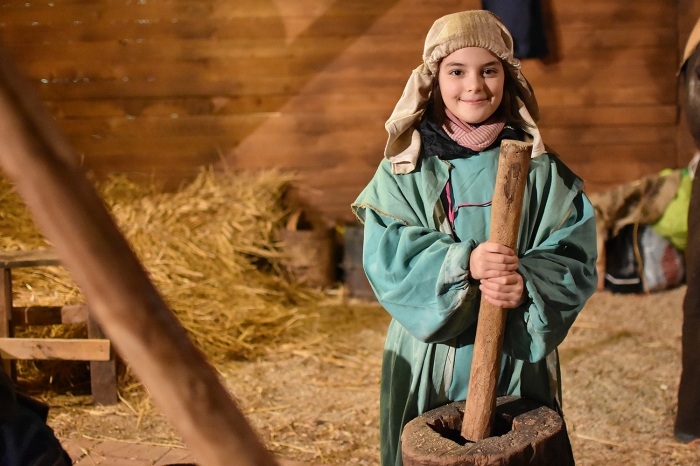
column 491, row 260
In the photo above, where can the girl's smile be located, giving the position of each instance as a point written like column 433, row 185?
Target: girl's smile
column 471, row 84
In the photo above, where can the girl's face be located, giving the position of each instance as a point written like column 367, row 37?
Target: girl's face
column 471, row 83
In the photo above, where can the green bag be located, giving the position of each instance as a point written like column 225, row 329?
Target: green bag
column 673, row 223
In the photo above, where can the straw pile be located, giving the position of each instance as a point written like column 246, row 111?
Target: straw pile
column 211, row 248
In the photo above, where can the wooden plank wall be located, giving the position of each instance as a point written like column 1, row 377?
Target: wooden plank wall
column 609, row 104
column 158, row 88
column 688, row 14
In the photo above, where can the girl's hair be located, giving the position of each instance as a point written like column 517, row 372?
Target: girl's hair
column 507, row 111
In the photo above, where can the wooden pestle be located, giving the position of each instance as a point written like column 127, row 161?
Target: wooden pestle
column 506, row 209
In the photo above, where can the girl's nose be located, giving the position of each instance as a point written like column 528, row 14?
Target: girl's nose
column 474, row 82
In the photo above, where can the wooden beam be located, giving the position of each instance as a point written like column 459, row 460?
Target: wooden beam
column 103, row 374
column 33, row 258
column 50, row 315
column 70, row 349
column 6, row 314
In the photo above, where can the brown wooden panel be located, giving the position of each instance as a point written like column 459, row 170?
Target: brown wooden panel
column 615, row 174
column 582, row 41
column 576, row 44
column 609, row 13
column 234, row 127
column 166, row 49
column 655, row 156
column 660, row 93
column 688, row 14
column 129, row 31
column 109, row 61
column 563, row 94
column 648, row 115
column 47, row 348
column 245, row 35
column 376, row 103
column 595, row 186
column 33, row 258
column 341, row 18
column 103, row 374
column 605, row 135
column 208, row 10
column 611, row 67
column 172, row 79
column 166, row 173
column 142, row 159
column 49, row 315
column 370, row 102
column 74, row 314
column 298, row 129
column 565, row 11
column 317, row 102
column 168, row 149
column 6, row 329
column 44, row 315
column 350, row 172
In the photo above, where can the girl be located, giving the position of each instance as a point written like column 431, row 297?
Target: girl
column 426, row 214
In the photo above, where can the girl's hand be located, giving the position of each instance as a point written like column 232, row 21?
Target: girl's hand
column 505, row 292
column 491, row 260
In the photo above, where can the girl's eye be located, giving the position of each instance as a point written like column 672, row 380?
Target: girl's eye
column 456, row 72
column 490, row 72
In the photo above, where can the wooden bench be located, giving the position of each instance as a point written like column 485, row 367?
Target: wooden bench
column 96, row 348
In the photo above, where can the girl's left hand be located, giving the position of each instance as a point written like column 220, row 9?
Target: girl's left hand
column 505, row 292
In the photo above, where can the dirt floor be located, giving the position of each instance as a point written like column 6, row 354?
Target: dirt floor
column 315, row 397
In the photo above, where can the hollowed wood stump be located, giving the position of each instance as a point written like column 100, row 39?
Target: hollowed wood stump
column 525, row 433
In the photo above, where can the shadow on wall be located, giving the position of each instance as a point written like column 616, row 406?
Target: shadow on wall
column 304, row 54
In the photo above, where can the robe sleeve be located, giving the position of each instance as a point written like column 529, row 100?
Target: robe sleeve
column 559, row 275
column 420, row 276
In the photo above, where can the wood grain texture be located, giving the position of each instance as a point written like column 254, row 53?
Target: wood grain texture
column 50, row 315
column 103, row 373
column 6, row 330
column 32, row 258
column 506, row 210
column 69, row 349
column 157, row 89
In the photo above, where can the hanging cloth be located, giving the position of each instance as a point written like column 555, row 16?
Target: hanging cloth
column 524, row 20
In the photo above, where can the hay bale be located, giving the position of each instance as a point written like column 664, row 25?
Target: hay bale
column 211, row 248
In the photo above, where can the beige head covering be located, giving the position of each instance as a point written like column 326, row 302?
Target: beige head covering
column 691, row 45
column 474, row 28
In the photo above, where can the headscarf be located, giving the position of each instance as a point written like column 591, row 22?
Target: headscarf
column 691, row 45
column 474, row 28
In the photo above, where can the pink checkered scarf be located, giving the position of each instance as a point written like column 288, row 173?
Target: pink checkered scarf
column 476, row 138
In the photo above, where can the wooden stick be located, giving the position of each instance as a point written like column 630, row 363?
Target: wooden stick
column 506, row 210
column 39, row 161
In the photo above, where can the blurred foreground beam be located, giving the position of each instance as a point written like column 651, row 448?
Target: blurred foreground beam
column 37, row 158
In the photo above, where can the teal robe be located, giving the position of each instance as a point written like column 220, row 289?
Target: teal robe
column 418, row 269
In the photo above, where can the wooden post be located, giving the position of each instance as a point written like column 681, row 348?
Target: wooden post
column 103, row 374
column 506, row 210
column 39, row 161
column 6, row 317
